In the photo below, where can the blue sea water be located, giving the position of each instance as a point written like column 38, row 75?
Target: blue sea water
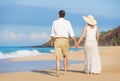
column 15, row 52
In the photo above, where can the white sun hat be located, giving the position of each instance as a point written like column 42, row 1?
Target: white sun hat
column 90, row 20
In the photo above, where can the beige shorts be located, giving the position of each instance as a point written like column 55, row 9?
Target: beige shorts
column 61, row 47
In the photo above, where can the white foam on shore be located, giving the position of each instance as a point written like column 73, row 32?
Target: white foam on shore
column 52, row 51
column 21, row 53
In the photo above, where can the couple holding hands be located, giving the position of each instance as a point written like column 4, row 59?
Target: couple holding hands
column 61, row 29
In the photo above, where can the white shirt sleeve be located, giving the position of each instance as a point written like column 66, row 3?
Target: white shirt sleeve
column 52, row 31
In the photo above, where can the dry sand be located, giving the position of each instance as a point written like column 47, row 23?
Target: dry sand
column 110, row 57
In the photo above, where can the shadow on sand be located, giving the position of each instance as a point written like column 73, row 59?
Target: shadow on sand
column 52, row 72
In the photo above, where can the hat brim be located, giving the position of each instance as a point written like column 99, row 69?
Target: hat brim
column 90, row 21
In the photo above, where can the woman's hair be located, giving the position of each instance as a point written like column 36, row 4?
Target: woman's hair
column 61, row 13
column 91, row 25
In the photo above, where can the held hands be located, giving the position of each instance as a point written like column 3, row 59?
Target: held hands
column 76, row 45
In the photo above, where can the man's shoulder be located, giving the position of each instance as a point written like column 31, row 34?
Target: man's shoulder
column 55, row 20
column 65, row 20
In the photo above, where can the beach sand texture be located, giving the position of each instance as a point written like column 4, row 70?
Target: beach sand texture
column 110, row 57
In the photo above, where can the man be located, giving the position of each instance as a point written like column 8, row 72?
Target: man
column 61, row 29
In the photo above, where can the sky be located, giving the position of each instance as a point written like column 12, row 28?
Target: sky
column 28, row 22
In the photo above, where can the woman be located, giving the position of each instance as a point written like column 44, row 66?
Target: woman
column 92, row 58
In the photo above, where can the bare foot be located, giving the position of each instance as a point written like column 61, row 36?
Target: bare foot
column 57, row 74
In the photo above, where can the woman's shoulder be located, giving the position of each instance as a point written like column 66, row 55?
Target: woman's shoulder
column 96, row 27
column 85, row 27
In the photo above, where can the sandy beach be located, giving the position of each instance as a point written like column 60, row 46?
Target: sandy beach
column 110, row 57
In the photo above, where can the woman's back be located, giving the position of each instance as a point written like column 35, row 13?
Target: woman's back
column 91, row 33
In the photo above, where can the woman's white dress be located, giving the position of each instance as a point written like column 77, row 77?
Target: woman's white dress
column 92, row 57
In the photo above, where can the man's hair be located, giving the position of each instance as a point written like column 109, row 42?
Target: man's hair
column 61, row 13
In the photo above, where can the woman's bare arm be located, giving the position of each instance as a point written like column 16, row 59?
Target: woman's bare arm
column 97, row 35
column 83, row 35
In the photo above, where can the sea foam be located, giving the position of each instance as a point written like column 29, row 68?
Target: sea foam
column 21, row 53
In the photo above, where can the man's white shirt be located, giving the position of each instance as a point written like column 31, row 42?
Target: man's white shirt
column 62, row 28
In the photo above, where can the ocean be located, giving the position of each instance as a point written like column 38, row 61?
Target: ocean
column 16, row 52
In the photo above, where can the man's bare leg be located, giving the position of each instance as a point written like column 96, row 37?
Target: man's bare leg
column 65, row 64
column 57, row 66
